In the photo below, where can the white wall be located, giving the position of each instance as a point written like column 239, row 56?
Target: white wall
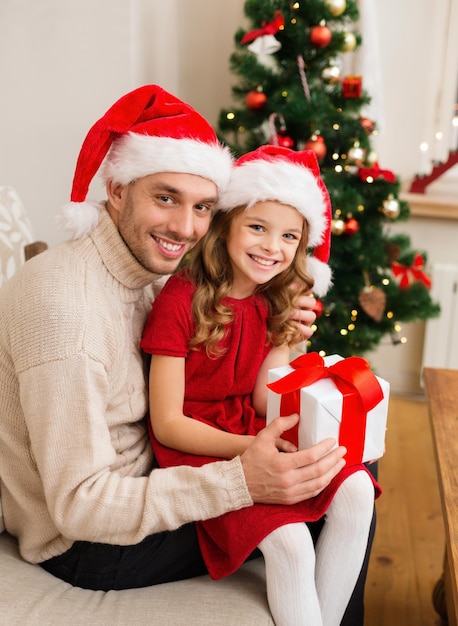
column 419, row 56
column 61, row 64
column 64, row 62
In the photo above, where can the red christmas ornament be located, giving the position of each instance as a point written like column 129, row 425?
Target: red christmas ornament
column 317, row 145
column 318, row 308
column 320, row 36
column 282, row 139
column 352, row 87
column 367, row 124
column 351, row 227
column 255, row 99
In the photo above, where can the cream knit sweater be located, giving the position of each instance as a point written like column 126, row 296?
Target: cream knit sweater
column 75, row 461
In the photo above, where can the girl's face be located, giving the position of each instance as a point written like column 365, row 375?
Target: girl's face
column 261, row 243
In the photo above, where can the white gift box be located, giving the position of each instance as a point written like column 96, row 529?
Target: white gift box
column 321, row 412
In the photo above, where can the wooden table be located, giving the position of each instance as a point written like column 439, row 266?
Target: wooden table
column 442, row 395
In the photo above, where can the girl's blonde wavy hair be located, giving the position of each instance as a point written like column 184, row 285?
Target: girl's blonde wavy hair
column 209, row 267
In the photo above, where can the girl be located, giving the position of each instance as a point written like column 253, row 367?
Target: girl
column 227, row 323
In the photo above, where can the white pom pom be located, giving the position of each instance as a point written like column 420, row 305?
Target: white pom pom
column 79, row 218
column 321, row 274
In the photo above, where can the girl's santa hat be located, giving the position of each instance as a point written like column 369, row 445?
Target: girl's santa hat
column 293, row 178
column 147, row 131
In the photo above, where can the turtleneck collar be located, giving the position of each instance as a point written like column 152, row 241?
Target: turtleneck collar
column 117, row 257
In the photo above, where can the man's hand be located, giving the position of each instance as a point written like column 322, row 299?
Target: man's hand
column 275, row 477
column 304, row 315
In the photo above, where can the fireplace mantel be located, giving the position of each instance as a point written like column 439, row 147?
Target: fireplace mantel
column 431, row 205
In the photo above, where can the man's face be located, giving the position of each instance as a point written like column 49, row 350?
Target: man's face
column 162, row 216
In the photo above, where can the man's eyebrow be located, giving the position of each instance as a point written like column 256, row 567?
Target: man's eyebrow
column 160, row 187
column 166, row 187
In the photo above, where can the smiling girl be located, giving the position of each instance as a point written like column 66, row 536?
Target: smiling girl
column 216, row 329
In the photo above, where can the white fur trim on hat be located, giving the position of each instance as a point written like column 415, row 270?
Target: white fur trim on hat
column 321, row 274
column 134, row 156
column 78, row 218
column 283, row 181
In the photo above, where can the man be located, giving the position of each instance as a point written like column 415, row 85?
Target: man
column 75, row 464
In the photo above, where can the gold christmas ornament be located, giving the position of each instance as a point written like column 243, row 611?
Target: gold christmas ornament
column 337, row 226
column 349, row 43
column 356, row 154
column 391, row 208
column 336, row 7
column 331, row 73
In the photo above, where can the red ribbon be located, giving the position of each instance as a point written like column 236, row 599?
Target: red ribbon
column 408, row 275
column 271, row 28
column 375, row 172
column 356, row 382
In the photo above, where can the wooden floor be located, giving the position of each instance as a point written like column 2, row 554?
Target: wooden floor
column 408, row 548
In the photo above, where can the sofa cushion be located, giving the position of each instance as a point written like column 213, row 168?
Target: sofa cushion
column 29, row 596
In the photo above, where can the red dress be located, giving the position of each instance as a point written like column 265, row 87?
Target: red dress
column 218, row 392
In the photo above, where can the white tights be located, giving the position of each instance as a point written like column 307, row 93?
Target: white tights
column 309, row 586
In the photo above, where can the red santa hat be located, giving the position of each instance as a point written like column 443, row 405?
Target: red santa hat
column 147, row 131
column 293, row 178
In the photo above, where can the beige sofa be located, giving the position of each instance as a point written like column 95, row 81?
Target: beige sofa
column 29, row 596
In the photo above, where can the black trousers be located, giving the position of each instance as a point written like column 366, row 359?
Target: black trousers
column 159, row 558
column 166, row 557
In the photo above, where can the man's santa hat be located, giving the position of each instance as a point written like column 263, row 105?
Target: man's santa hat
column 292, row 178
column 147, row 131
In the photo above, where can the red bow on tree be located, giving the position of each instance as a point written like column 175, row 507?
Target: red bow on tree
column 409, row 275
column 271, row 28
column 375, row 172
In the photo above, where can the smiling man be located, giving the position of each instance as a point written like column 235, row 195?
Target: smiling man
column 78, row 486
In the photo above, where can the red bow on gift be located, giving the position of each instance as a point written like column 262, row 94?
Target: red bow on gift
column 375, row 172
column 356, row 382
column 408, row 275
column 271, row 28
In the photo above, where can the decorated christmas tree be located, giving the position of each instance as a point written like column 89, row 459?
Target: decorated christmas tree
column 294, row 92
